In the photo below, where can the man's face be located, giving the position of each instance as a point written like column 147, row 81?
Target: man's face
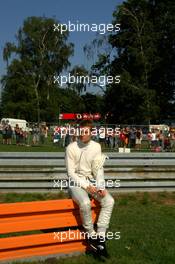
column 85, row 134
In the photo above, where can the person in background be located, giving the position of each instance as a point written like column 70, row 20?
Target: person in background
column 138, row 138
column 117, row 139
column 9, row 133
column 127, row 135
column 122, row 138
column 149, row 138
column 132, row 138
column 154, row 139
column 21, row 137
column 172, row 141
column 161, row 139
column 42, row 134
column 4, row 133
column 17, row 134
column 35, row 133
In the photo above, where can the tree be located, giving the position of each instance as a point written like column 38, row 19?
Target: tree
column 93, row 103
column 9, row 47
column 142, row 53
column 100, row 49
column 40, row 53
column 78, row 71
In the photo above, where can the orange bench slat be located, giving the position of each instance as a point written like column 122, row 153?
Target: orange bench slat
column 77, row 246
column 39, row 239
column 39, row 206
column 37, row 222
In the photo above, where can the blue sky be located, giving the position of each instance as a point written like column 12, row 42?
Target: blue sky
column 13, row 13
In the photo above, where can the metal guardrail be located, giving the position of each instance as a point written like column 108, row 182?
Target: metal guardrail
column 29, row 171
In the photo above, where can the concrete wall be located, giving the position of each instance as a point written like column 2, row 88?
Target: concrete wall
column 28, row 171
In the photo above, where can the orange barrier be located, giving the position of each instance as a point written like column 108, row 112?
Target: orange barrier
column 58, row 219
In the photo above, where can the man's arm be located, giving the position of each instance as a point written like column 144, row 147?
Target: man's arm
column 70, row 165
column 98, row 171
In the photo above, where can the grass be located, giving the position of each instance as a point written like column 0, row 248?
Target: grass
column 145, row 222
column 39, row 148
column 46, row 146
column 27, row 197
column 49, row 146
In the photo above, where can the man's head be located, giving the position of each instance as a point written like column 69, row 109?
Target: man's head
column 85, row 130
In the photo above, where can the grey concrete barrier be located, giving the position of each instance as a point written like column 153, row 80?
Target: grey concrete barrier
column 29, row 171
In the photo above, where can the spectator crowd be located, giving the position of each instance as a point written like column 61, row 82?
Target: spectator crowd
column 127, row 137
column 133, row 137
column 21, row 136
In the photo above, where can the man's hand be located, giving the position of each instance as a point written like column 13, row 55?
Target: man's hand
column 91, row 189
column 102, row 193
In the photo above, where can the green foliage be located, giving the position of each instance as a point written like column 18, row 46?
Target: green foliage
column 143, row 53
column 78, row 71
column 93, row 103
column 40, row 53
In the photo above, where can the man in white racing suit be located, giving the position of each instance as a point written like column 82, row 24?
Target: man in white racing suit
column 84, row 162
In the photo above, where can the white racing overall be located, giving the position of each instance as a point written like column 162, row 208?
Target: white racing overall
column 84, row 164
